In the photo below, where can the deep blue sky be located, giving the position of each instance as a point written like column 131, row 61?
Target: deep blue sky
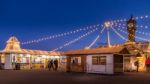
column 33, row 19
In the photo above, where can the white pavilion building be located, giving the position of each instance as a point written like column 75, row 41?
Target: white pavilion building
column 28, row 59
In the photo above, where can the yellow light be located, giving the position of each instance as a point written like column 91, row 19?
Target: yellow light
column 108, row 24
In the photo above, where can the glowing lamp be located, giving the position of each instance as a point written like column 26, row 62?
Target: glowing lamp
column 108, row 24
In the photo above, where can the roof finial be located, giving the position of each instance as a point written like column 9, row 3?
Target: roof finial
column 12, row 35
column 132, row 17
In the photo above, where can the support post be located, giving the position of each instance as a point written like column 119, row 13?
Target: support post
column 108, row 38
column 68, row 67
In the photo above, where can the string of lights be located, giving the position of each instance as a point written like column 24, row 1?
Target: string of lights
column 142, row 17
column 141, row 26
column 118, row 21
column 61, row 35
column 136, row 18
column 96, row 39
column 124, row 25
column 121, row 36
column 140, row 38
column 140, row 32
column 75, row 40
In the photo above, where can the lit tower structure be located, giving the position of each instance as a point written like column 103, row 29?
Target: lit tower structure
column 13, row 45
column 108, row 25
column 11, row 49
column 131, row 28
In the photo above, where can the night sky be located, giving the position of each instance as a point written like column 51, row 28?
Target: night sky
column 33, row 19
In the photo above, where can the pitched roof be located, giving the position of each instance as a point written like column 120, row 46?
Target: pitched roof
column 13, row 46
column 12, row 39
column 138, row 48
column 104, row 50
column 34, row 52
column 145, row 46
column 56, row 54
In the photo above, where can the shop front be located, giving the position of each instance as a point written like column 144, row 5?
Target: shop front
column 77, row 63
column 22, row 59
column 13, row 56
column 108, row 60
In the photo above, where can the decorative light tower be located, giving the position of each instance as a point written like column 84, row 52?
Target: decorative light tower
column 13, row 44
column 131, row 28
column 108, row 25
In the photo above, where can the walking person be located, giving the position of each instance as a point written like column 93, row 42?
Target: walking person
column 50, row 65
column 16, row 66
column 137, row 65
column 56, row 64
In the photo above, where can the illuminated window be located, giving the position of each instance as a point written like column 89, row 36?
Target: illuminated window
column 76, row 60
column 24, row 60
column 36, row 60
column 99, row 60
column 3, row 59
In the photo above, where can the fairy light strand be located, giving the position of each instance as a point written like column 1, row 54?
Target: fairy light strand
column 118, row 21
column 75, row 40
column 96, row 39
column 121, row 36
column 61, row 34
column 140, row 38
column 136, row 18
column 140, row 32
column 124, row 25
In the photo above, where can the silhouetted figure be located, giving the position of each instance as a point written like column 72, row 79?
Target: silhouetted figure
column 137, row 65
column 50, row 65
column 56, row 64
column 17, row 66
column 73, row 61
column 1, row 66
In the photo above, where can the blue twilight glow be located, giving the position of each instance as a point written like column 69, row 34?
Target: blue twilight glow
column 33, row 19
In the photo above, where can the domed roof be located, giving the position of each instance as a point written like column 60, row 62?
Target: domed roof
column 13, row 45
column 12, row 39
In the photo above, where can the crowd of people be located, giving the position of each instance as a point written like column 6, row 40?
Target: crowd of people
column 53, row 64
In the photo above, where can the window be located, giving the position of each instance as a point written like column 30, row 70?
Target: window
column 25, row 60
column 36, row 60
column 99, row 60
column 76, row 60
column 95, row 60
column 2, row 58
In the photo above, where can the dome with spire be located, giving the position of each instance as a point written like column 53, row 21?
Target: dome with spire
column 12, row 39
column 12, row 45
